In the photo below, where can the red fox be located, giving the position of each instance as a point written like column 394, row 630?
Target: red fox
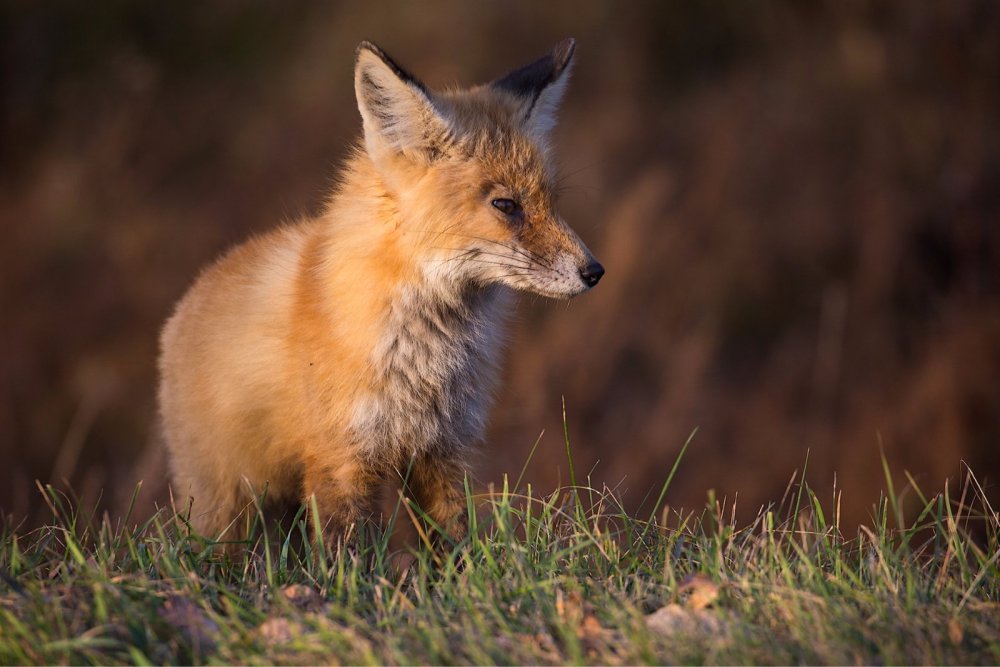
column 321, row 359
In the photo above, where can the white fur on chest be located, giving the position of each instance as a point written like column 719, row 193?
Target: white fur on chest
column 433, row 372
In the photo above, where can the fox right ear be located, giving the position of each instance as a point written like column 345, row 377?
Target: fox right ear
column 540, row 86
column 398, row 113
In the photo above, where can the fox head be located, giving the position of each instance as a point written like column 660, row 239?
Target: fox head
column 471, row 175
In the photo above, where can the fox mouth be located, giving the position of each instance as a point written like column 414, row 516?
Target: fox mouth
column 552, row 294
column 556, row 293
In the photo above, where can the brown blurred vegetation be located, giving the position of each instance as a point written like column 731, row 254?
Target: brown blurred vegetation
column 797, row 204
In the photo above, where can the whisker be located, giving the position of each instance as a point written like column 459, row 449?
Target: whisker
column 492, row 263
column 512, row 275
column 524, row 252
column 509, row 261
column 466, row 254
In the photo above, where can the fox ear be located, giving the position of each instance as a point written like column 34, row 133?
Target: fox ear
column 397, row 111
column 540, row 86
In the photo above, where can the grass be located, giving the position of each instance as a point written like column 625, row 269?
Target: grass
column 565, row 577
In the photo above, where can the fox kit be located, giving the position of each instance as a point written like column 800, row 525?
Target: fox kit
column 323, row 358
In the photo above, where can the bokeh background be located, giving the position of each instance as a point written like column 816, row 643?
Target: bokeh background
column 798, row 204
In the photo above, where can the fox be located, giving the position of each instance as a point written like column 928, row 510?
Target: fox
column 318, row 361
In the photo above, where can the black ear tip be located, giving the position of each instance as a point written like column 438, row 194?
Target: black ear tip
column 371, row 47
column 563, row 52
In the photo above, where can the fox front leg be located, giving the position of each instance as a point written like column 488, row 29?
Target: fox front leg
column 438, row 488
column 343, row 496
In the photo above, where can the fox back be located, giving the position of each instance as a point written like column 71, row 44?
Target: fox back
column 328, row 355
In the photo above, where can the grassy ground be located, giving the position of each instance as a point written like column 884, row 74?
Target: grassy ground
column 562, row 577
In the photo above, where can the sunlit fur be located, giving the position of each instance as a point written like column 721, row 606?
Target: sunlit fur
column 328, row 355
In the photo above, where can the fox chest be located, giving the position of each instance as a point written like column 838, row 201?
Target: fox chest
column 433, row 371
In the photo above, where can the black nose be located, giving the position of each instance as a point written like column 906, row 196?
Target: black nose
column 592, row 273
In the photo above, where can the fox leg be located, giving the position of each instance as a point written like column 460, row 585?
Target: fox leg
column 437, row 487
column 344, row 494
column 214, row 503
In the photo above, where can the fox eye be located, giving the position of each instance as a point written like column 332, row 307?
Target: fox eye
column 506, row 206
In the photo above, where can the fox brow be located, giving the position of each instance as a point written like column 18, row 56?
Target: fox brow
column 508, row 158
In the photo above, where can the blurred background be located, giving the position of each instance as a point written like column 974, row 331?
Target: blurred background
column 798, row 205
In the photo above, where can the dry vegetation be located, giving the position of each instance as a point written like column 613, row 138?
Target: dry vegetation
column 797, row 203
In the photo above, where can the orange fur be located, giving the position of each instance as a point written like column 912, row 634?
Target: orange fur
column 325, row 356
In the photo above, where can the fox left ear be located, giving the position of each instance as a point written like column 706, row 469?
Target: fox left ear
column 398, row 112
column 540, row 86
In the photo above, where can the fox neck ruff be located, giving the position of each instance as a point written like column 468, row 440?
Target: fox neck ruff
column 433, row 373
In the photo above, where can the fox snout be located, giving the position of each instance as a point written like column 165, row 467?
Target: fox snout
column 572, row 269
column 549, row 259
column 566, row 275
